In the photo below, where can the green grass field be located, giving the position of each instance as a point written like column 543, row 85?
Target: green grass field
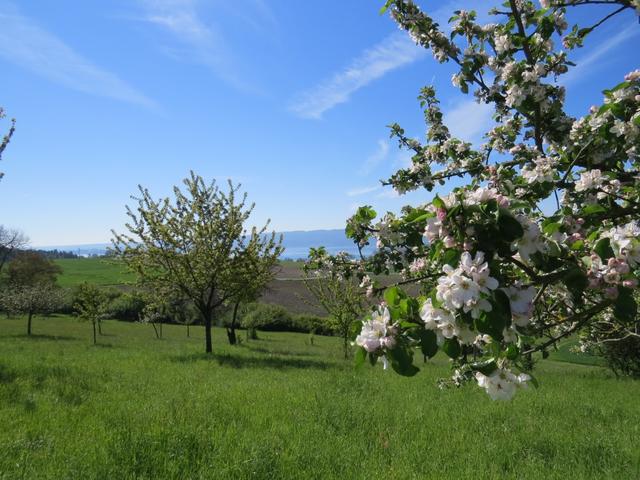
column 98, row 271
column 138, row 407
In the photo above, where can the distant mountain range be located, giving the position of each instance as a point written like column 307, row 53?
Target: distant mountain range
column 296, row 244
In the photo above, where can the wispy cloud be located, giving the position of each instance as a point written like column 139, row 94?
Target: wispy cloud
column 28, row 45
column 468, row 119
column 585, row 66
column 356, row 192
column 203, row 42
column 392, row 53
column 376, row 158
column 388, row 193
column 395, row 51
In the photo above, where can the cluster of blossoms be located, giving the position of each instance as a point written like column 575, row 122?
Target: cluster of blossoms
column 467, row 286
column 609, row 275
column 367, row 285
column 625, row 241
column 542, row 170
column 378, row 334
column 501, row 384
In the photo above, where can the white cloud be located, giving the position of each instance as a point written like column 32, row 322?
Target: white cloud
column 468, row 119
column 362, row 191
column 393, row 52
column 26, row 44
column 388, row 193
column 586, row 65
column 204, row 42
column 376, row 158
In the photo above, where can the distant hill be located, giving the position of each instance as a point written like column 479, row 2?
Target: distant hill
column 296, row 243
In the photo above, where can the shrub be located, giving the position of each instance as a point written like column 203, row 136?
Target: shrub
column 127, row 307
column 269, row 318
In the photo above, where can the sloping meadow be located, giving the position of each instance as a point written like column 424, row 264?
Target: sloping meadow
column 287, row 406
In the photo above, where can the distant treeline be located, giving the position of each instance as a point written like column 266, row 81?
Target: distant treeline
column 54, row 254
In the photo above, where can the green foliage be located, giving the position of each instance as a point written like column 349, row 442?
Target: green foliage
column 128, row 306
column 267, row 317
column 30, row 268
column 195, row 246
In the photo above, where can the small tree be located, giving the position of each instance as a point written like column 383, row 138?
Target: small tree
column 90, row 303
column 340, row 295
column 190, row 244
column 31, row 300
column 32, row 268
column 10, row 242
column 254, row 269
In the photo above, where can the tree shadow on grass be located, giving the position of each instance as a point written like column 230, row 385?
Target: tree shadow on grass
column 276, row 351
column 233, row 361
column 36, row 336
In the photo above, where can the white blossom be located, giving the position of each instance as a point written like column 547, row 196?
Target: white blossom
column 502, row 383
column 589, row 180
column 503, row 43
column 374, row 331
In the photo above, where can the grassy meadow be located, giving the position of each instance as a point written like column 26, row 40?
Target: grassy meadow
column 280, row 407
column 99, row 271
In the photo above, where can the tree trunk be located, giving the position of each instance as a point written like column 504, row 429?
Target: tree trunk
column 29, row 323
column 99, row 327
column 231, row 331
column 188, row 331
column 155, row 329
column 95, row 339
column 345, row 345
column 207, row 333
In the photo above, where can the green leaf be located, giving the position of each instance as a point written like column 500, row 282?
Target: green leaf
column 360, row 356
column 402, row 362
column 486, row 368
column 603, row 249
column 495, row 321
column 452, row 348
column 509, row 226
column 551, row 228
column 625, row 308
column 373, row 359
column 428, row 343
column 393, row 295
column 385, row 7
column 512, row 352
column 576, row 281
column 437, row 202
column 593, row 209
column 577, row 245
column 451, row 257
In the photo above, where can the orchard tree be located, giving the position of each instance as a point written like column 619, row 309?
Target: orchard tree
column 341, row 297
column 10, row 242
column 31, row 300
column 191, row 244
column 90, row 304
column 503, row 275
column 254, row 268
column 32, row 268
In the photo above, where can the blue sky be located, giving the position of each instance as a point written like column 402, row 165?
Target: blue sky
column 289, row 98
